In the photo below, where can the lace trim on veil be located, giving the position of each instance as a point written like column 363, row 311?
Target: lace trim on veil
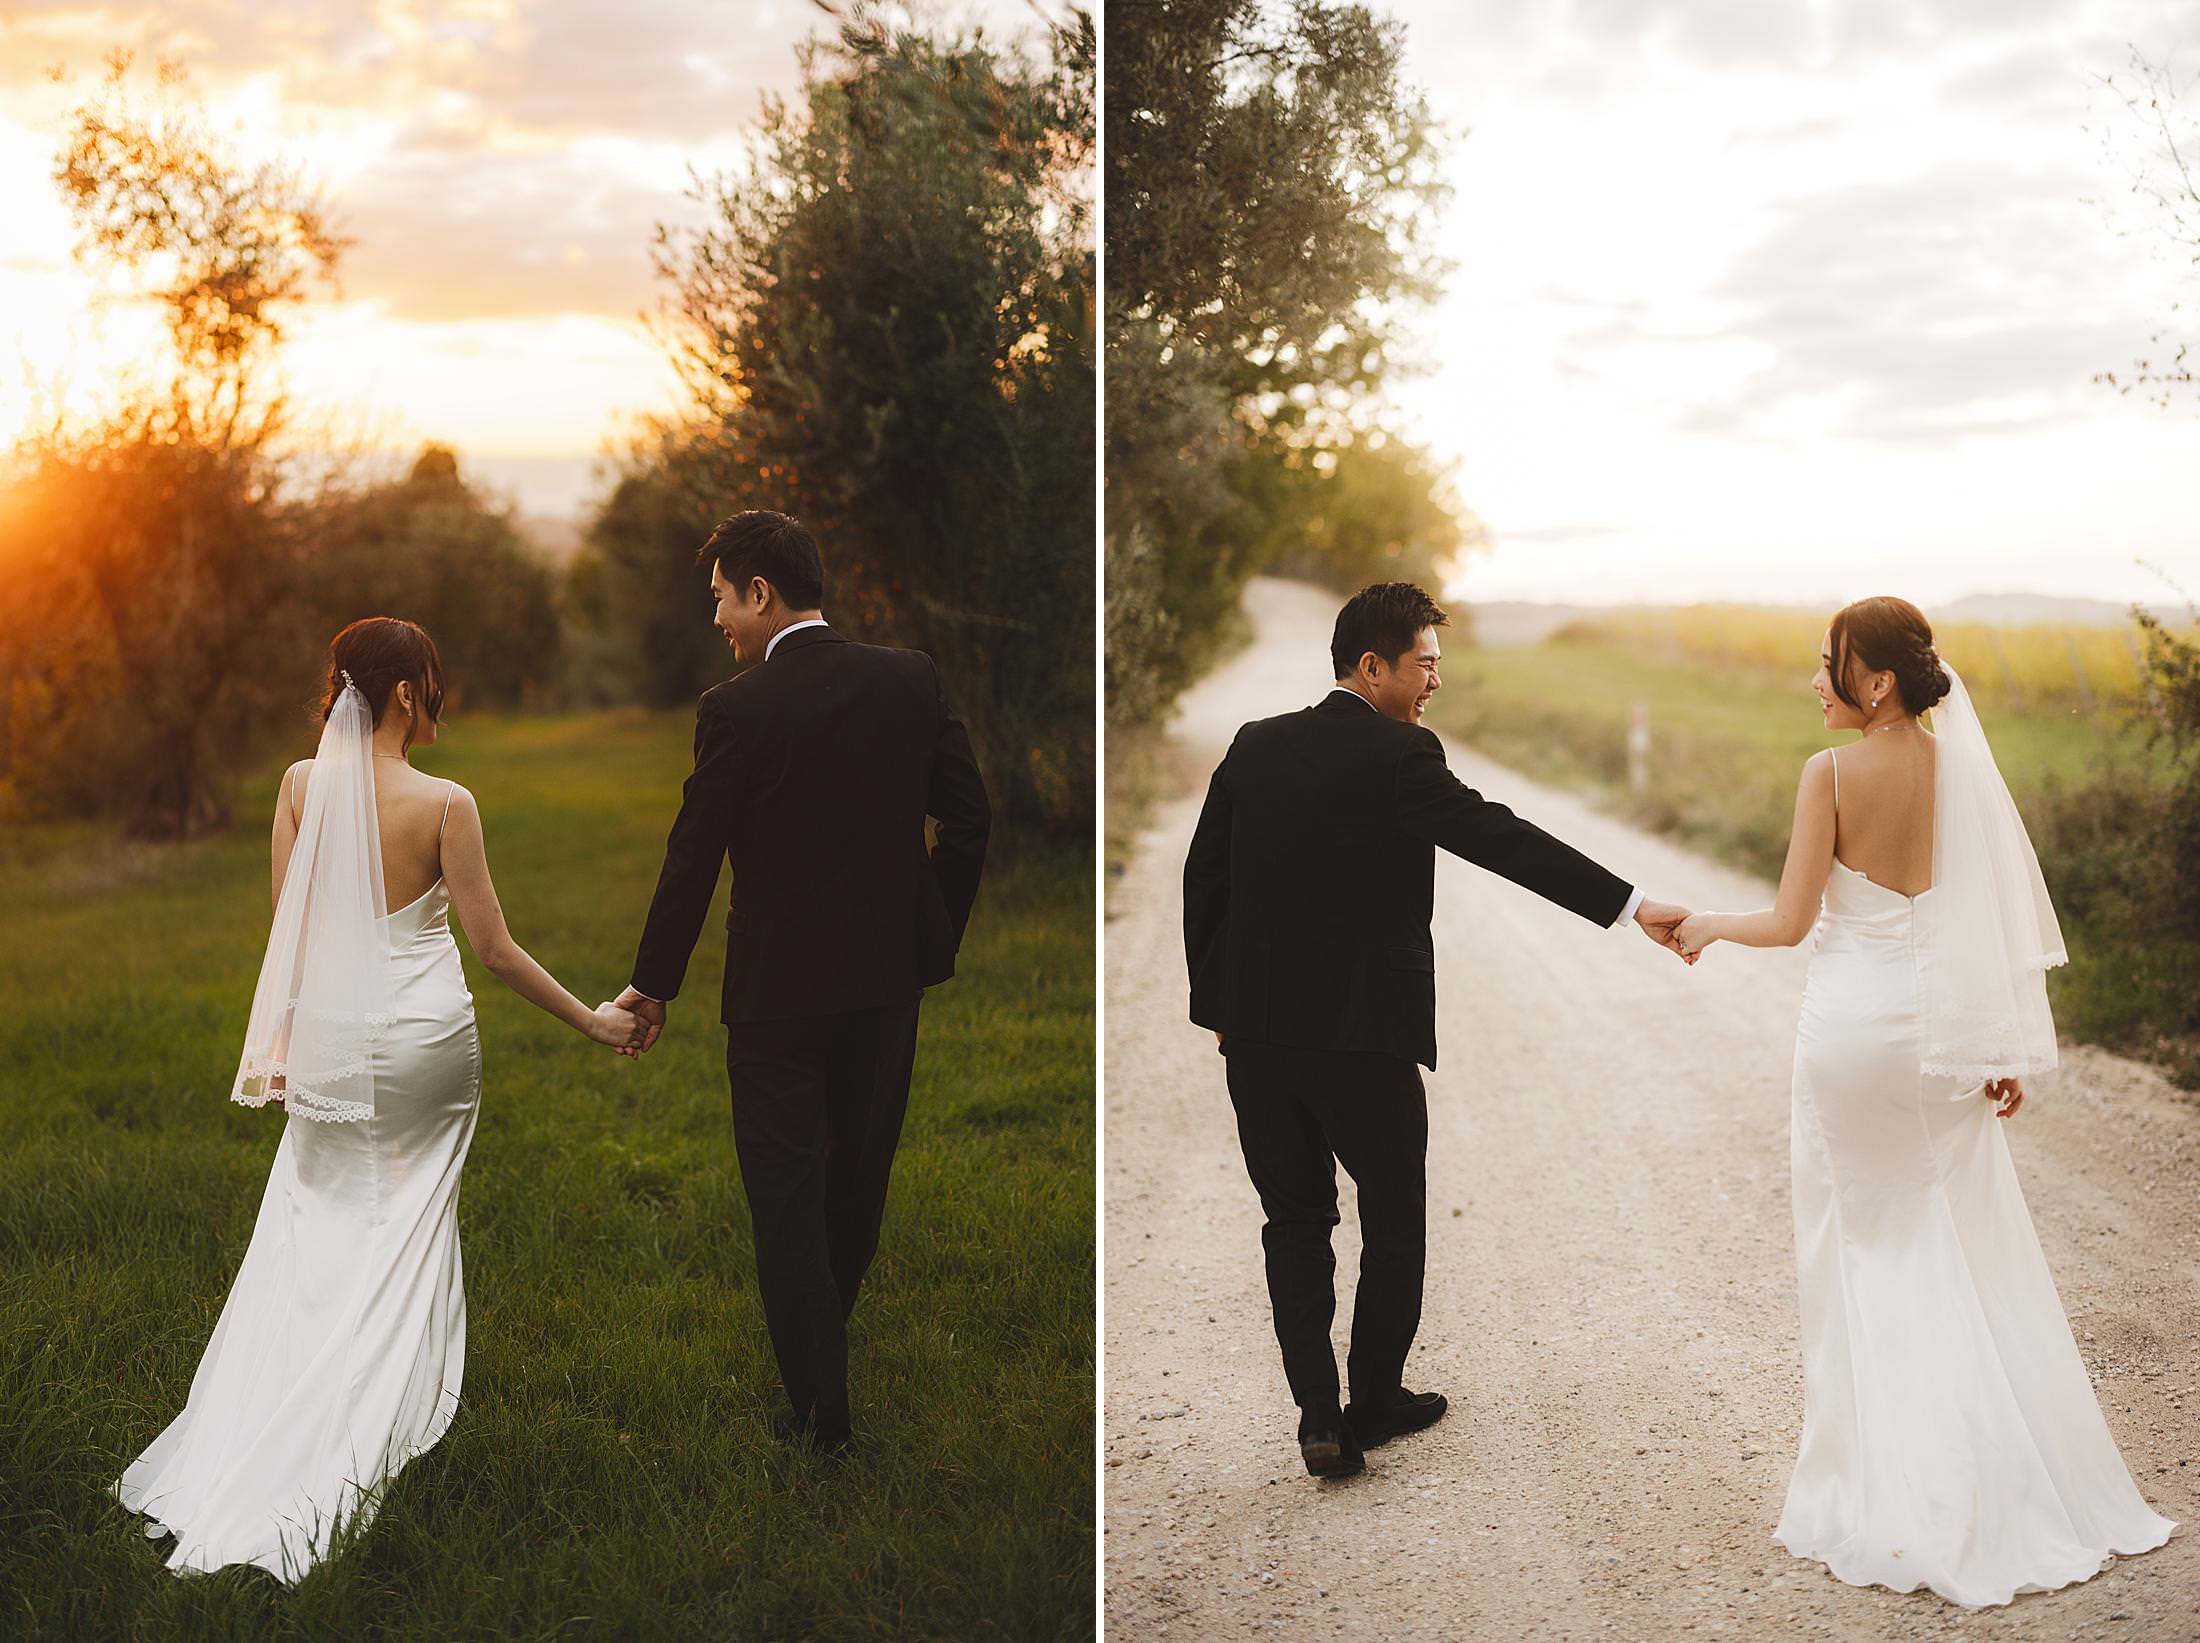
column 256, row 1073
column 326, row 992
column 300, row 1103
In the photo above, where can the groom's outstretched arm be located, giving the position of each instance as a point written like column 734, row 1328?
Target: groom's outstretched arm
column 693, row 852
column 955, row 798
column 1207, row 900
column 1437, row 806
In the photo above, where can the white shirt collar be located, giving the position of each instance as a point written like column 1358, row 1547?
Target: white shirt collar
column 1334, row 690
column 793, row 627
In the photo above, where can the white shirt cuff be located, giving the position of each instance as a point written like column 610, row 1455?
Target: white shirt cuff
column 1634, row 900
column 630, row 987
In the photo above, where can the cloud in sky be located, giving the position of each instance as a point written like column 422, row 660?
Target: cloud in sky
column 501, row 165
column 493, row 157
column 1927, row 304
column 1716, row 257
column 446, row 232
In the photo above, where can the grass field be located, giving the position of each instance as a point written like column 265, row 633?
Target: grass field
column 2019, row 668
column 1727, row 745
column 610, row 1472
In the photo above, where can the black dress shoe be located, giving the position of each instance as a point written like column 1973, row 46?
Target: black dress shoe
column 789, row 1427
column 1372, row 1424
column 1329, row 1449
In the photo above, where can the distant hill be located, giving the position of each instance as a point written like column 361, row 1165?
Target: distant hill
column 1517, row 622
column 1523, row 622
column 2045, row 610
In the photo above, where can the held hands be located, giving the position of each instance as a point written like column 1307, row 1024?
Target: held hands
column 1694, row 935
column 1661, row 921
column 623, row 1030
column 649, row 1012
column 2007, row 1094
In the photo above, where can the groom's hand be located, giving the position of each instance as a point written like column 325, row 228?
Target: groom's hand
column 651, row 1012
column 1661, row 922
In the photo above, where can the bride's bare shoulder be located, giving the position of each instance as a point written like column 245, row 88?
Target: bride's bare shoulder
column 290, row 792
column 458, row 800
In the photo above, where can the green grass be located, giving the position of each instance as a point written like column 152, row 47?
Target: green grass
column 610, row 1471
column 1727, row 748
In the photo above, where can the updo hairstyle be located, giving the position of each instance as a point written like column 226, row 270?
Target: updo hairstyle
column 1890, row 635
column 378, row 651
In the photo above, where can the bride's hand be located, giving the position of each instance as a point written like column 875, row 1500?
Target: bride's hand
column 1694, row 934
column 621, row 1029
column 2007, row 1094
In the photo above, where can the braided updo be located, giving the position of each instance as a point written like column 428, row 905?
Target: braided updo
column 1890, row 635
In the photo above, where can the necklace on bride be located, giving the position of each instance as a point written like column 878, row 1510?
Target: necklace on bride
column 1892, row 724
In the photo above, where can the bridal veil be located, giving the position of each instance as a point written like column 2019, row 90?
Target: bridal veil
column 325, row 993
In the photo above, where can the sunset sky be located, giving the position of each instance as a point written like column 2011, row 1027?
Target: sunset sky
column 501, row 164
column 1752, row 299
column 1800, row 301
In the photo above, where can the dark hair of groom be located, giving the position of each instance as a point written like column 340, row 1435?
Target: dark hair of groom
column 1384, row 617
column 759, row 542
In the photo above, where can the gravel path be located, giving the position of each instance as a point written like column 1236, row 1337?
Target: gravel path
column 1611, row 1283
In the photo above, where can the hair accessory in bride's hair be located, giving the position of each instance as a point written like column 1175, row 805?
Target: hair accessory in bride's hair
column 345, row 675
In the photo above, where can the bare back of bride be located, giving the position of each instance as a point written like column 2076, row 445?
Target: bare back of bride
column 1951, row 1436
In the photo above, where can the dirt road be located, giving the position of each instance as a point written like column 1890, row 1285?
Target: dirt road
column 1611, row 1285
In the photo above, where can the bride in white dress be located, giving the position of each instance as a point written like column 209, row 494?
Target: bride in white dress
column 339, row 1351
column 1951, row 1436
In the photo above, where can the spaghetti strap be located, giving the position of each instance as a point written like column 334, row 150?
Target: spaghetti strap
column 1834, row 758
column 450, row 787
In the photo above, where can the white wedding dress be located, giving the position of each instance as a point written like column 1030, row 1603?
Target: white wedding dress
column 1951, row 1437
column 338, row 1354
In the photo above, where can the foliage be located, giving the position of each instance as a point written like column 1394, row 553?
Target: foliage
column 168, row 573
column 610, row 1472
column 2173, row 692
column 224, row 248
column 647, row 604
column 428, row 548
column 1270, row 185
column 2033, row 667
column 151, row 568
column 2110, row 847
column 1267, row 179
column 2165, row 179
column 1369, row 509
column 886, row 328
column 159, row 539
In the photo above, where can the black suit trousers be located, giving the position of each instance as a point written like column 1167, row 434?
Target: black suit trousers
column 1300, row 1113
column 817, row 1111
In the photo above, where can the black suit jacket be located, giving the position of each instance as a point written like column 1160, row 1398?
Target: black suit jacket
column 1311, row 881
column 814, row 771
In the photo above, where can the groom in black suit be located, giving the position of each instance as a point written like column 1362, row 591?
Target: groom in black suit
column 815, row 769
column 1308, row 894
